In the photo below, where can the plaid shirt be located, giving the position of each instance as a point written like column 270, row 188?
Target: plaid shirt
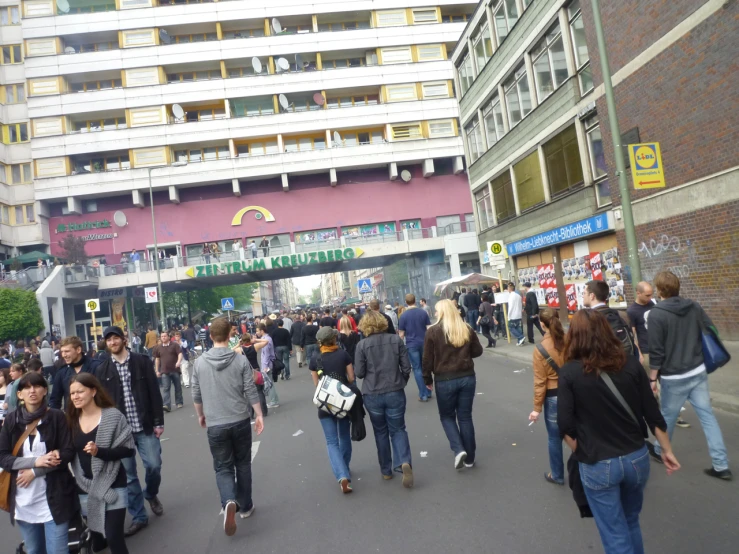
column 132, row 414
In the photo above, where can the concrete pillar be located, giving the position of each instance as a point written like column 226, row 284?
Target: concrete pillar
column 433, row 231
column 392, row 169
column 454, row 267
column 74, row 205
column 458, row 164
column 174, row 194
column 292, row 248
column 428, row 167
column 491, row 27
column 504, row 108
column 483, row 134
column 544, row 174
column 564, row 25
column 532, row 82
column 492, row 204
column 515, row 191
column 138, row 198
column 472, row 56
column 285, row 185
column 332, row 177
column 582, row 147
column 236, row 187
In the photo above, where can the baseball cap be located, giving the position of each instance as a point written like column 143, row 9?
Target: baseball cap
column 325, row 333
column 388, row 307
column 113, row 330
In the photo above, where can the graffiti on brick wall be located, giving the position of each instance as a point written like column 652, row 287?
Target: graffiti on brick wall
column 658, row 247
column 666, row 253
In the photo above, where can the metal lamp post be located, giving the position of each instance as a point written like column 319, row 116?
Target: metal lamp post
column 156, row 245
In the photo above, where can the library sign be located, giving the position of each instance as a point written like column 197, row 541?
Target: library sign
column 88, row 226
column 274, row 262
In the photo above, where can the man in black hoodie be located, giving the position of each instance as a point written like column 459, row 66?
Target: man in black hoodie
column 532, row 312
column 676, row 356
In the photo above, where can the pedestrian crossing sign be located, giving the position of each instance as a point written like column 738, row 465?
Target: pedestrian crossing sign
column 227, row 304
column 364, row 286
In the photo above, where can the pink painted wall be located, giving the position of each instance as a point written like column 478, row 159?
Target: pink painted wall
column 205, row 213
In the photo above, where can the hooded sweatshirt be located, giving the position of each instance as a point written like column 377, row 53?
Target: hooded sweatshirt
column 46, row 354
column 674, row 328
column 222, row 381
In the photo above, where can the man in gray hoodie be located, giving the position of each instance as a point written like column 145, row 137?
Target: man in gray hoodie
column 222, row 389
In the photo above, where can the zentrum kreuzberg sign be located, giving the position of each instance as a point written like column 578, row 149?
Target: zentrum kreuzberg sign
column 274, row 262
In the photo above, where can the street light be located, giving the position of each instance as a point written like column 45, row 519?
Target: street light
column 156, row 246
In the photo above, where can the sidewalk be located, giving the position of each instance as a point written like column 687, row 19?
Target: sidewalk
column 724, row 382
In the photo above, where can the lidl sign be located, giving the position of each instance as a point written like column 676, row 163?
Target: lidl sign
column 274, row 262
column 646, row 165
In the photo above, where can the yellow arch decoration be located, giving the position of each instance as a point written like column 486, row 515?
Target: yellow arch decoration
column 240, row 214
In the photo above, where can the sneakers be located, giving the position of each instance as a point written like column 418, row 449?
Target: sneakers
column 167, row 409
column 300, row 364
column 521, row 342
column 187, row 386
column 248, row 513
column 682, row 423
column 653, row 453
column 229, row 518
column 346, row 486
column 273, row 405
column 724, row 474
column 459, row 460
column 387, row 477
column 179, row 406
column 407, row 475
column 135, row 527
column 156, row 506
column 550, row 479
column 469, row 465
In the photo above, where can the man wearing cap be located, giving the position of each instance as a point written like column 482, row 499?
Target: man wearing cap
column 130, row 381
column 389, row 312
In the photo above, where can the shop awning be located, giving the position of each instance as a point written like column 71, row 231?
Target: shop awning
column 464, row 281
column 29, row 257
column 350, row 301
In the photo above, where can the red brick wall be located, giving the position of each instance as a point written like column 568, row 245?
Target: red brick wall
column 700, row 249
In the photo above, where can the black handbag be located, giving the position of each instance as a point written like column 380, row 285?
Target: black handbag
column 277, row 368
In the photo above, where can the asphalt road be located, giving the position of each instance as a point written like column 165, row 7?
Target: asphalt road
column 501, row 506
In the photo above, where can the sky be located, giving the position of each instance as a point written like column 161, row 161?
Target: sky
column 307, row 283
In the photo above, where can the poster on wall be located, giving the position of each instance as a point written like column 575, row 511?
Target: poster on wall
column 548, row 284
column 596, row 266
column 117, row 311
column 315, row 236
column 614, row 278
column 576, row 270
column 531, row 275
column 571, row 293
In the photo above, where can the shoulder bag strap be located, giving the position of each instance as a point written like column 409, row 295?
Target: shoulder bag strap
column 618, row 395
column 29, row 429
column 547, row 358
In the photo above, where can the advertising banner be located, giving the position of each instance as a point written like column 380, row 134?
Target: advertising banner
column 117, row 312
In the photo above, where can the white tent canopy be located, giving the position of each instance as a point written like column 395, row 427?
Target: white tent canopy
column 464, row 281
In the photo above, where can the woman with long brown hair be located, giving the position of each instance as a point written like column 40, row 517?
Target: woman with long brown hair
column 548, row 358
column 604, row 407
column 101, row 438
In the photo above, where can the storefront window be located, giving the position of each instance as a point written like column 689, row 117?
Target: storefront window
column 475, row 146
column 528, row 181
column 563, row 162
column 505, row 205
column 484, row 208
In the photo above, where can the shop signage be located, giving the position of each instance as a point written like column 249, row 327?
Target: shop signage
column 574, row 231
column 151, row 294
column 262, row 213
column 99, row 236
column 84, row 226
column 646, row 165
column 112, row 293
column 274, row 262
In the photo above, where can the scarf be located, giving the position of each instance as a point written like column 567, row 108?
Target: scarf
column 79, row 362
column 326, row 349
column 26, row 418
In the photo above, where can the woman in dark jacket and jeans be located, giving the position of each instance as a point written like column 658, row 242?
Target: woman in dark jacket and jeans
column 448, row 350
column 44, row 507
column 487, row 312
column 382, row 361
column 608, row 439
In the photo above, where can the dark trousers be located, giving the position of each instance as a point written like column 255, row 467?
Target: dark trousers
column 262, row 402
column 454, row 399
column 230, row 446
column 486, row 333
column 531, row 322
column 114, row 539
column 500, row 327
column 165, row 384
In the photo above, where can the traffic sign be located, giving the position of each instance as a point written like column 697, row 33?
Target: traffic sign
column 92, row 305
column 646, row 165
column 497, row 254
column 364, row 286
column 227, row 304
column 151, row 294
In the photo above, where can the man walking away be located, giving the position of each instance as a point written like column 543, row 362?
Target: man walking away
column 515, row 311
column 167, row 362
column 595, row 296
column 426, row 308
column 676, row 356
column 532, row 312
column 46, row 354
column 296, row 337
column 151, row 341
column 131, row 383
column 222, row 390
column 327, row 320
column 389, row 312
column 266, row 346
column 185, row 366
column 283, row 347
column 412, row 326
column 472, row 305
column 308, row 341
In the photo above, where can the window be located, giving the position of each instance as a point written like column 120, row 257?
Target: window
column 493, row 118
column 430, row 52
column 205, row 114
column 350, row 101
column 484, row 208
column 105, row 84
column 16, row 174
column 582, row 58
column 11, row 54
column 400, row 93
column 466, row 74
column 597, row 160
column 195, row 37
column 563, row 162
column 475, row 145
column 90, row 206
column 257, row 105
column 550, row 65
column 304, row 144
column 396, row 55
column 18, row 215
column 187, row 76
column 529, row 184
column 448, row 224
column 14, row 94
column 101, row 164
column 15, row 132
column 344, row 26
column 353, row 62
column 95, row 125
column 138, row 38
column 4, row 214
column 9, row 15
column 361, row 138
column 406, row 132
column 438, row 89
column 391, row 18
column 301, row 102
column 96, row 47
column 482, row 43
column 505, row 14
column 424, row 15
column 505, row 205
column 441, row 128
column 243, row 33
column 518, row 96
column 210, row 153
column 256, row 148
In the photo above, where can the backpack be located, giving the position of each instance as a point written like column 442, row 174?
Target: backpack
column 621, row 329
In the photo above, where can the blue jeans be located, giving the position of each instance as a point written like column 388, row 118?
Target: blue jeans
column 415, row 354
column 310, row 350
column 44, row 538
column 615, row 492
column 230, row 446
column 387, row 414
column 556, row 464
column 472, row 318
column 674, row 394
column 339, row 444
column 150, row 450
column 516, row 328
column 454, row 399
column 283, row 354
column 166, row 382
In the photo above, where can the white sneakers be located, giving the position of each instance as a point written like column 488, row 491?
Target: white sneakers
column 244, row 515
column 520, row 343
column 459, row 460
column 229, row 518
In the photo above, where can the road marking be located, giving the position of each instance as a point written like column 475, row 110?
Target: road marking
column 254, row 449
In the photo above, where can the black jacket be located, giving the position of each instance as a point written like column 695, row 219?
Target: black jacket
column 472, row 301
column 674, row 327
column 144, row 386
column 61, row 490
column 60, row 388
column 532, row 304
column 308, row 335
column 296, row 332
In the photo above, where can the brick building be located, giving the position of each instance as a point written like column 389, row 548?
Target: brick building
column 540, row 155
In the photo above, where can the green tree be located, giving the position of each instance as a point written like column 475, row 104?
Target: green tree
column 315, row 296
column 208, row 300
column 73, row 249
column 21, row 315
